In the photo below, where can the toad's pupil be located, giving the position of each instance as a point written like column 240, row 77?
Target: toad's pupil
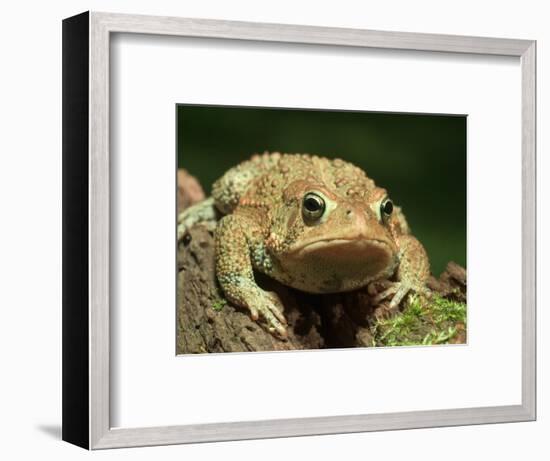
column 387, row 207
column 312, row 204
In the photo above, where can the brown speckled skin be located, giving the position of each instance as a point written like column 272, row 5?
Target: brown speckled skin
column 351, row 245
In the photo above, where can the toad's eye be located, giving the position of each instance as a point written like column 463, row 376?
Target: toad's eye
column 386, row 208
column 313, row 206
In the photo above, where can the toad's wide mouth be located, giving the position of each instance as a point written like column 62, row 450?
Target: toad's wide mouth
column 339, row 249
column 339, row 264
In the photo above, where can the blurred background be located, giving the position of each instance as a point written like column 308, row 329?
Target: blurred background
column 420, row 159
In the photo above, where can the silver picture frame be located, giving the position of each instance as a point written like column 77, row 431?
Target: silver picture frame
column 86, row 229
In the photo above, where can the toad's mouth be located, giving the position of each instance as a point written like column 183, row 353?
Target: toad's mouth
column 347, row 250
column 341, row 260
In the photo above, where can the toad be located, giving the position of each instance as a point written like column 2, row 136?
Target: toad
column 314, row 224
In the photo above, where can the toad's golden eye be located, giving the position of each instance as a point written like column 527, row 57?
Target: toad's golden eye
column 313, row 207
column 386, row 208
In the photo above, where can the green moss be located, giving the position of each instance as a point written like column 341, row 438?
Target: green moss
column 219, row 304
column 436, row 321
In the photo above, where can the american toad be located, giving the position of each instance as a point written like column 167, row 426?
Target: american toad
column 315, row 224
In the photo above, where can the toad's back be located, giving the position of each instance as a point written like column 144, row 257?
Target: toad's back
column 264, row 178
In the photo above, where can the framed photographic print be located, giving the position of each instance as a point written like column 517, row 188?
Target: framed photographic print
column 320, row 225
column 275, row 230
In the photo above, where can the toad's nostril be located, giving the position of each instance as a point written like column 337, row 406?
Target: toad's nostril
column 349, row 213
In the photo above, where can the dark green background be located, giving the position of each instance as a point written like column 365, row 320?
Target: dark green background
column 420, row 159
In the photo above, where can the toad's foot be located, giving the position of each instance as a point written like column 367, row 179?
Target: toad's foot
column 398, row 291
column 203, row 212
column 262, row 304
column 268, row 306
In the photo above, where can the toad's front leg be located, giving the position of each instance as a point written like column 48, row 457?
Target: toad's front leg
column 236, row 277
column 412, row 273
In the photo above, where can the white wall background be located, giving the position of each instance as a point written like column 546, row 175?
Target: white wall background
column 30, row 236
